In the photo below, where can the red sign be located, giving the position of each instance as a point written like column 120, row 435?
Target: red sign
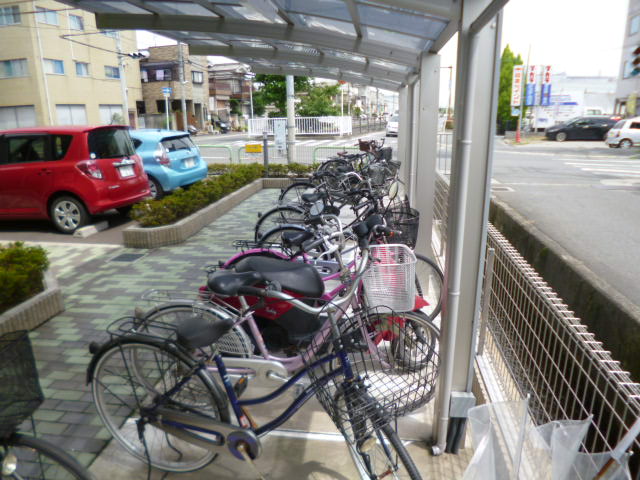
column 546, row 77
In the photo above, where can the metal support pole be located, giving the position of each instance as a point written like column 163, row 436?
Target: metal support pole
column 166, row 111
column 183, row 101
column 291, row 120
column 251, row 95
column 265, row 152
column 123, row 80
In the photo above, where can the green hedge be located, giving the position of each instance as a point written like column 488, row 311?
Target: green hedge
column 183, row 202
column 21, row 273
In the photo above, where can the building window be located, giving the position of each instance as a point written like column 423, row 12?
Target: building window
column 162, row 75
column 13, row 68
column 634, row 25
column 111, row 72
column 9, row 15
column 17, row 117
column 628, row 67
column 53, row 66
column 82, row 69
column 76, row 22
column 235, row 86
column 141, row 108
column 44, row 15
column 111, row 115
column 144, row 76
column 110, row 33
column 197, row 77
column 71, row 114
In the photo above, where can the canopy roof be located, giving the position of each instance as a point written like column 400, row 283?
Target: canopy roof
column 369, row 42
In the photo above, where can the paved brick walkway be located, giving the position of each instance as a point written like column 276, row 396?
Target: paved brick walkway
column 99, row 289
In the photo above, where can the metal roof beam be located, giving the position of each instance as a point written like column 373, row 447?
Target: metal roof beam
column 211, row 7
column 242, row 53
column 256, row 29
column 439, row 8
column 313, row 73
column 355, row 16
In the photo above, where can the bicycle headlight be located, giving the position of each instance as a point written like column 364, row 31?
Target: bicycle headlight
column 9, row 464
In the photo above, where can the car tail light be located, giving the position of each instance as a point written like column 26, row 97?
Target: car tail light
column 161, row 155
column 90, row 169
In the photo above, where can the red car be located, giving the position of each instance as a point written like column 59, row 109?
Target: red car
column 67, row 174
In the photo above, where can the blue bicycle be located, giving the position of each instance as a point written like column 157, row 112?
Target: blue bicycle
column 157, row 392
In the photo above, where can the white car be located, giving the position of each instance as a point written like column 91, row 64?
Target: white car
column 624, row 134
column 392, row 126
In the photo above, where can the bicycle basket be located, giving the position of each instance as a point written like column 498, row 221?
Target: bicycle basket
column 395, row 363
column 20, row 393
column 390, row 281
column 407, row 222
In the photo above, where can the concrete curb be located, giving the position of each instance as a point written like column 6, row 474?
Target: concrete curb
column 138, row 237
column 612, row 317
column 35, row 311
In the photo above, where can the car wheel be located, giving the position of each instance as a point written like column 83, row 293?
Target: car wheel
column 68, row 214
column 157, row 192
column 611, row 145
column 561, row 136
column 626, row 143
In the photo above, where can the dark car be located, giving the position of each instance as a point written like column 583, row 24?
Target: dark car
column 592, row 127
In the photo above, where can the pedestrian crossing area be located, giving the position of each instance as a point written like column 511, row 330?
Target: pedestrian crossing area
column 608, row 167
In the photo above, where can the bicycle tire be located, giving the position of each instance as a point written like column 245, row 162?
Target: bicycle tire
column 278, row 216
column 429, row 275
column 117, row 394
column 418, row 328
column 35, row 454
column 293, row 193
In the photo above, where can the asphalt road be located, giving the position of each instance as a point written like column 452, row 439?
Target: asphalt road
column 583, row 195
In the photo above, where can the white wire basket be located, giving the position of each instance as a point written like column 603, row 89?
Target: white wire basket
column 390, row 281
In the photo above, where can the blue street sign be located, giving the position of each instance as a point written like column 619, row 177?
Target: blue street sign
column 515, row 111
column 546, row 95
column 166, row 90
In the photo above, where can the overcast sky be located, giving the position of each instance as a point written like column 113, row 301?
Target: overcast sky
column 578, row 37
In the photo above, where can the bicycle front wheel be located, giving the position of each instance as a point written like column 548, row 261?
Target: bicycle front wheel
column 293, row 193
column 26, row 457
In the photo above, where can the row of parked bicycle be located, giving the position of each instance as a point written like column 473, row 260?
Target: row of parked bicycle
column 327, row 300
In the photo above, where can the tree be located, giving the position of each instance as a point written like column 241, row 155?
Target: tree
column 274, row 92
column 235, row 109
column 508, row 61
column 319, row 102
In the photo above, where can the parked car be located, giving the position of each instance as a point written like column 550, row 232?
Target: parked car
column 67, row 174
column 592, row 127
column 170, row 158
column 392, row 126
column 624, row 134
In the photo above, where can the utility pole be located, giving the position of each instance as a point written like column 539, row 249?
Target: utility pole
column 123, row 80
column 291, row 121
column 183, row 101
column 522, row 97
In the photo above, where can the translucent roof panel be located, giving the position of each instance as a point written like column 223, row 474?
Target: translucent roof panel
column 248, row 13
column 113, row 7
column 181, row 8
column 392, row 66
column 336, row 9
column 394, row 38
column 400, row 20
column 296, row 47
column 332, row 26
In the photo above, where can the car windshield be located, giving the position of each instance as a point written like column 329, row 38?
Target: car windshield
column 619, row 125
column 110, row 143
column 173, row 144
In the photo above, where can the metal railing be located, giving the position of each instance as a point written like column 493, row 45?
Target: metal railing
column 367, row 125
column 534, row 345
column 304, row 125
column 445, row 152
column 217, row 153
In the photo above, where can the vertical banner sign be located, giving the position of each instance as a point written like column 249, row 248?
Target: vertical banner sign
column 280, row 134
column 530, row 97
column 516, row 86
column 545, row 101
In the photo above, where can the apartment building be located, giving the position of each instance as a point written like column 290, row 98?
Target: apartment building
column 57, row 68
column 161, row 69
column 628, row 86
column 230, row 92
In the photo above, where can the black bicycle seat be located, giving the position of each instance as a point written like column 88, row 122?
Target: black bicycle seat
column 292, row 276
column 198, row 332
column 313, row 197
column 295, row 239
column 225, row 282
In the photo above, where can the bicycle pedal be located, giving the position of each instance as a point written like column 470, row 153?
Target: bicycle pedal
column 241, row 385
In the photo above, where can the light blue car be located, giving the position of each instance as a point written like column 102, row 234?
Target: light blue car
column 170, row 159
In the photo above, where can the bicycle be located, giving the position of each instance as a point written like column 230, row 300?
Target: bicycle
column 161, row 402
column 23, row 456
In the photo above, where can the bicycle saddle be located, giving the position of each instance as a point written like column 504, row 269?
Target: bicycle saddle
column 225, row 282
column 198, row 332
column 292, row 276
column 295, row 239
column 313, row 197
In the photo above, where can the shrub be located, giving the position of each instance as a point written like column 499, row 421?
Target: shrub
column 21, row 273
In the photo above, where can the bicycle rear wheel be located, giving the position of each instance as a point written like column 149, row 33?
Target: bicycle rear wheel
column 279, row 216
column 429, row 285
column 293, row 193
column 129, row 375
column 35, row 458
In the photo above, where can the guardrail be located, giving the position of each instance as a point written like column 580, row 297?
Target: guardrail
column 444, row 153
column 330, row 151
column 226, row 157
column 535, row 346
column 304, row 125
